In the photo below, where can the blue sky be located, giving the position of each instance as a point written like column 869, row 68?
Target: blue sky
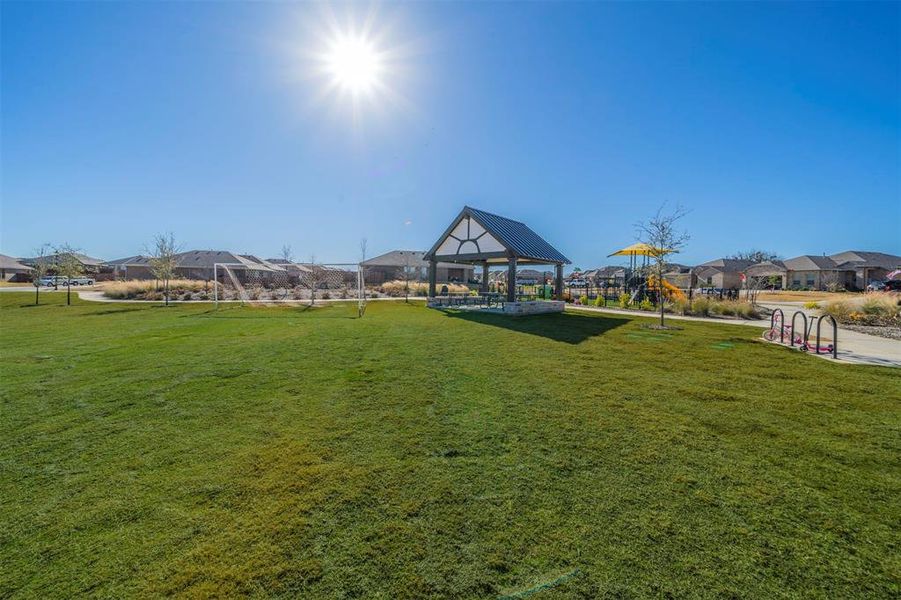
column 777, row 125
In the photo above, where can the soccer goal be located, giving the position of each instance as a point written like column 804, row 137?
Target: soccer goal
column 289, row 283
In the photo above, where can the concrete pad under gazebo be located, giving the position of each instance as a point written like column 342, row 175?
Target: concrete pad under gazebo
column 481, row 238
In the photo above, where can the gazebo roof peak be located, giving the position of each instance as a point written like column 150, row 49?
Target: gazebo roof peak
column 477, row 235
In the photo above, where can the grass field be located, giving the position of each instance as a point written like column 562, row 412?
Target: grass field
column 296, row 452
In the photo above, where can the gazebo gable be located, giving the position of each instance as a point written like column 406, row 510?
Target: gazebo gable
column 476, row 235
column 467, row 237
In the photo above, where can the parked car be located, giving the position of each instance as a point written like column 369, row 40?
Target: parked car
column 876, row 286
column 53, row 281
column 578, row 283
column 892, row 286
column 81, row 281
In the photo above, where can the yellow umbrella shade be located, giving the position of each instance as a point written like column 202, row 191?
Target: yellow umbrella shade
column 642, row 249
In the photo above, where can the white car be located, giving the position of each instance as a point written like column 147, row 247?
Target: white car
column 53, row 281
column 578, row 283
column 81, row 281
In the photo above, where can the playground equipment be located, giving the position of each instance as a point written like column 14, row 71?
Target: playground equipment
column 669, row 290
column 779, row 329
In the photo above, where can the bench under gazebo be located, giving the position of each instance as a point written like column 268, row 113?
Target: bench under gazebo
column 484, row 239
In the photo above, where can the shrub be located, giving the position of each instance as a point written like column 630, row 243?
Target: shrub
column 700, row 307
column 624, row 300
column 839, row 309
column 811, row 305
column 720, row 308
column 881, row 305
column 746, row 310
column 599, row 301
column 646, row 305
column 147, row 289
column 326, row 295
column 875, row 309
column 397, row 288
column 681, row 306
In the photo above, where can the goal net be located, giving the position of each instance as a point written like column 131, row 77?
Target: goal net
column 269, row 283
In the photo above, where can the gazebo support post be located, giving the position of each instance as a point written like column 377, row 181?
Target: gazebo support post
column 558, row 282
column 511, row 280
column 433, row 276
column 484, row 288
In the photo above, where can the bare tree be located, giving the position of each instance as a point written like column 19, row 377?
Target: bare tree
column 409, row 272
column 287, row 254
column 164, row 259
column 664, row 238
column 832, row 281
column 68, row 265
column 43, row 262
column 754, row 284
column 755, row 256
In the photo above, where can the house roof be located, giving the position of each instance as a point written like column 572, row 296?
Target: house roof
column 810, row 262
column 84, row 259
column 12, row 264
column 404, row 258
column 857, row 258
column 517, row 239
column 768, row 267
column 606, row 271
column 727, row 264
column 139, row 260
column 205, row 259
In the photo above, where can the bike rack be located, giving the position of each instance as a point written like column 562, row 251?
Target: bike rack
column 834, row 335
column 803, row 316
column 781, row 324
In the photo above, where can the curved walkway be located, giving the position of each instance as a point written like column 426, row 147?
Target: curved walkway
column 853, row 346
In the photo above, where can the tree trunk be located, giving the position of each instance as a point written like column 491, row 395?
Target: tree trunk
column 167, row 292
column 69, row 294
column 37, row 290
column 660, row 298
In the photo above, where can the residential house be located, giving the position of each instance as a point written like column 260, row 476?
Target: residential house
column 88, row 264
column 131, row 267
column 851, row 270
column 199, row 264
column 772, row 270
column 612, row 275
column 867, row 266
column 681, row 276
column 722, row 273
column 12, row 270
column 392, row 266
column 533, row 277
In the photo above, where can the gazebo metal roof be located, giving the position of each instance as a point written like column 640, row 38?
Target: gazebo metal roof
column 505, row 239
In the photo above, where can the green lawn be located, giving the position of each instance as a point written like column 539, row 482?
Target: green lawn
column 147, row 451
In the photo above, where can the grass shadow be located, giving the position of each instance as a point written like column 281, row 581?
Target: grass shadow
column 237, row 311
column 567, row 327
column 117, row 310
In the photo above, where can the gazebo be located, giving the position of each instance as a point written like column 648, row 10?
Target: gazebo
column 477, row 237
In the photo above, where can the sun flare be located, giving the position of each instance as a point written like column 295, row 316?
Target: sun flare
column 353, row 64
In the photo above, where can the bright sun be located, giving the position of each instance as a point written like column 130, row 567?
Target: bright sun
column 353, row 64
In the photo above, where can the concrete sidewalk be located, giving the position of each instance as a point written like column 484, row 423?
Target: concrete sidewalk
column 853, row 347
